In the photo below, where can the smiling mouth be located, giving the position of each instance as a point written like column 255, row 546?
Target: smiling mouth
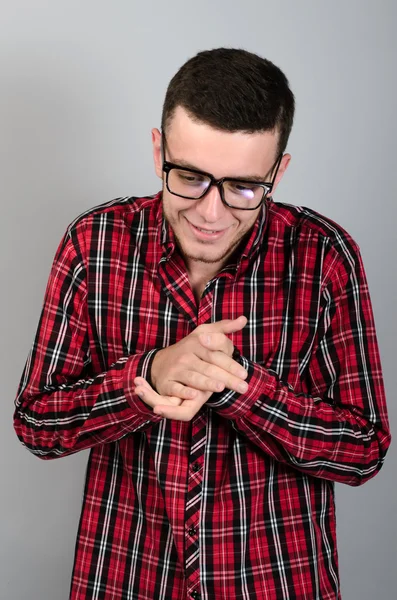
column 206, row 234
column 207, row 230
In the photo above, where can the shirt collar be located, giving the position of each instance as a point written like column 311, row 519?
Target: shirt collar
column 255, row 239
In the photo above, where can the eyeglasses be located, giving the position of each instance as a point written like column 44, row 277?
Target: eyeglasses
column 235, row 193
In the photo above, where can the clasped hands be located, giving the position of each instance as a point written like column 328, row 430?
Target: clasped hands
column 187, row 373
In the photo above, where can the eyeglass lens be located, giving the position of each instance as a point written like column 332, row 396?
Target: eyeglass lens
column 193, row 185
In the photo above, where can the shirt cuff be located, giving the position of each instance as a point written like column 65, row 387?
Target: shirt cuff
column 139, row 365
column 233, row 405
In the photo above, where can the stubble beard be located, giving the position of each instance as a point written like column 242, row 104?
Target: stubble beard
column 202, row 258
column 199, row 258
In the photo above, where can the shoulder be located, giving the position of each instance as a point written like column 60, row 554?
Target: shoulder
column 305, row 225
column 111, row 218
column 120, row 209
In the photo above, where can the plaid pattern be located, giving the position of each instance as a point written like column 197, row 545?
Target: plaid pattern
column 239, row 502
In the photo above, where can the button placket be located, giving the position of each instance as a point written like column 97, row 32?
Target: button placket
column 193, row 500
column 195, row 477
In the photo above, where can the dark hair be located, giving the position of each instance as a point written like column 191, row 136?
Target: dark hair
column 232, row 90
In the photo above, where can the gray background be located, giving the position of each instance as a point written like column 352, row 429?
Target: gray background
column 82, row 83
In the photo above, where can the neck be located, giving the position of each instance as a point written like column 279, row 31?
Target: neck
column 199, row 275
column 199, row 271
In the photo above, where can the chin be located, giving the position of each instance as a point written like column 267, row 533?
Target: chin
column 206, row 253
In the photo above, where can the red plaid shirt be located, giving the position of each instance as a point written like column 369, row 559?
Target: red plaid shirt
column 239, row 502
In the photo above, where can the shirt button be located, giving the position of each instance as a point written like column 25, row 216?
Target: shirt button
column 195, row 467
column 195, row 595
column 192, row 531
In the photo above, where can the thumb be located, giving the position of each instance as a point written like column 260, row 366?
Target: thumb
column 229, row 325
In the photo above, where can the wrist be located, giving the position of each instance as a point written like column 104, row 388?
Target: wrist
column 153, row 371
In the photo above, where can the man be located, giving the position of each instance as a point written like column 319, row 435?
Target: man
column 216, row 351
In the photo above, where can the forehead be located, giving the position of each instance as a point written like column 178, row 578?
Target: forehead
column 221, row 153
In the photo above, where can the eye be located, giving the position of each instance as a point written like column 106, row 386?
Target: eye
column 190, row 178
column 241, row 187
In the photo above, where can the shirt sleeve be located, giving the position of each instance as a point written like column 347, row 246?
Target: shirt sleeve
column 61, row 406
column 339, row 431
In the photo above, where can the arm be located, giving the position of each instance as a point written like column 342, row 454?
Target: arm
column 61, row 406
column 340, row 432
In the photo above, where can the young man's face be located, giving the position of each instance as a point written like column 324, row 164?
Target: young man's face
column 206, row 230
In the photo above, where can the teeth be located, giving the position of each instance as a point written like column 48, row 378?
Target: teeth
column 206, row 230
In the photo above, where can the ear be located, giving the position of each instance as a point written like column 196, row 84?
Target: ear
column 158, row 161
column 281, row 170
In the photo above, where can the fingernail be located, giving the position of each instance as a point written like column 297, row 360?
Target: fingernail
column 242, row 374
column 242, row 387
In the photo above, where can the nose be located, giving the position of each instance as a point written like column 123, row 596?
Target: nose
column 211, row 207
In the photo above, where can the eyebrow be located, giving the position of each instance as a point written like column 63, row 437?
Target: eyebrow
column 250, row 178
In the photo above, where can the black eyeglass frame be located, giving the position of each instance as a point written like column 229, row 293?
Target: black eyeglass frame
column 267, row 186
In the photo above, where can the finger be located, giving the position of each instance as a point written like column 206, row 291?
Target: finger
column 228, row 325
column 206, row 376
column 217, row 341
column 214, row 372
column 175, row 389
column 141, row 381
column 225, row 362
column 175, row 414
column 198, row 380
column 228, row 380
column 181, row 391
column 185, row 412
column 152, row 398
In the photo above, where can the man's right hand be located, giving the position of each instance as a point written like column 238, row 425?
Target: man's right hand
column 187, row 367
